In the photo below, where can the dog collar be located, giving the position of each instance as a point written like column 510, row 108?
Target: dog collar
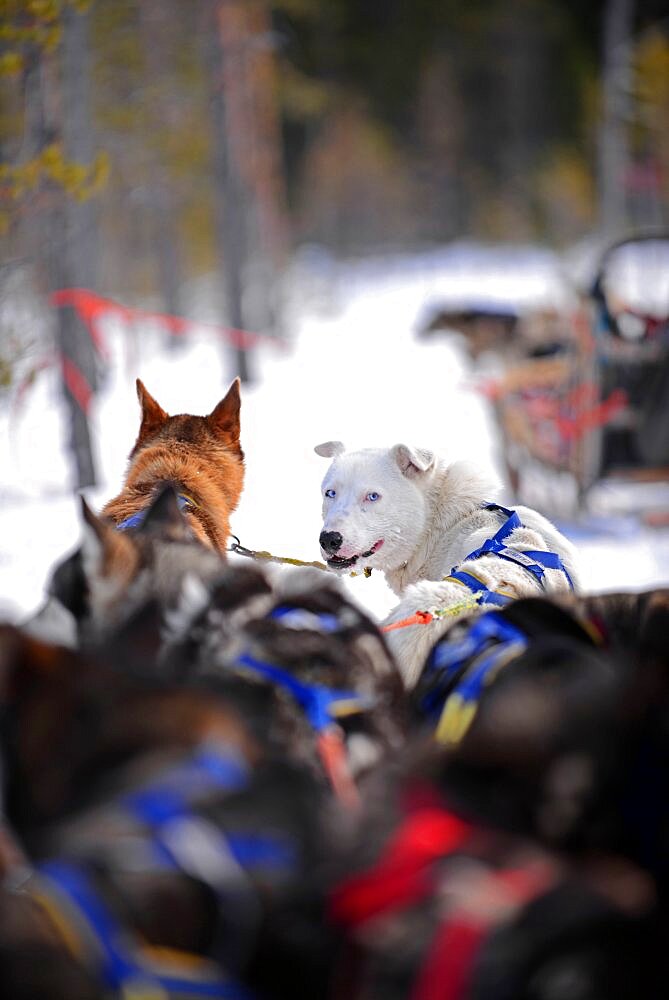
column 135, row 520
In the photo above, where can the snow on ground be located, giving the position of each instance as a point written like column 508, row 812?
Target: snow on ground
column 354, row 371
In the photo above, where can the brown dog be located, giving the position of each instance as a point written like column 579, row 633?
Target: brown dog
column 199, row 456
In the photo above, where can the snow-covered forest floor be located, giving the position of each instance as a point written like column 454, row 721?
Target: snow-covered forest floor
column 353, row 370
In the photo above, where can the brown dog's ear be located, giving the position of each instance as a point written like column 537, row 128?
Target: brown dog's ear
column 224, row 418
column 153, row 415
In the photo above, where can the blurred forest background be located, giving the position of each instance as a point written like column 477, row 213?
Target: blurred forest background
column 150, row 146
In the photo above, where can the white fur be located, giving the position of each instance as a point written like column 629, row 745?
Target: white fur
column 52, row 623
column 428, row 515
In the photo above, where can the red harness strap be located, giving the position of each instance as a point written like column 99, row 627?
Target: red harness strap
column 447, row 970
column 402, row 878
column 402, row 875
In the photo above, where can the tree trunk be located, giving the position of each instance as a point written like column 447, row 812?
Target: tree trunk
column 613, row 136
column 73, row 262
column 161, row 192
column 62, row 236
column 230, row 196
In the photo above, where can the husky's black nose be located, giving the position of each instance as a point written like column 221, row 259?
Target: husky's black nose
column 330, row 541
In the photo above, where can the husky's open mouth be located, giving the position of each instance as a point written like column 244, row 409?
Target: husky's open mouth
column 338, row 562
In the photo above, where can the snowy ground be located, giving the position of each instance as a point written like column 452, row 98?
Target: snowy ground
column 354, row 371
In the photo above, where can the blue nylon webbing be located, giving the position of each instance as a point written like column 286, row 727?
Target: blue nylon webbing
column 478, row 588
column 314, row 699
column 156, row 807
column 301, row 618
column 135, row 520
column 534, row 561
column 120, row 968
column 448, row 658
column 170, row 799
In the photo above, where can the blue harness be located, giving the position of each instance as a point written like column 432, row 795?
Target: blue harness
column 320, row 704
column 135, row 520
column 534, row 561
column 489, row 644
column 126, row 967
column 123, row 969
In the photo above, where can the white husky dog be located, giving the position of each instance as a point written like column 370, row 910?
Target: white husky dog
column 423, row 522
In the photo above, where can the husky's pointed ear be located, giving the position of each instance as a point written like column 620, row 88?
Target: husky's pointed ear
column 412, row 462
column 153, row 415
column 224, row 418
column 330, row 449
column 98, row 538
column 69, row 586
column 164, row 517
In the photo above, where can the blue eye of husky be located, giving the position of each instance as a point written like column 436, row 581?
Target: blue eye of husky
column 330, row 494
column 372, row 496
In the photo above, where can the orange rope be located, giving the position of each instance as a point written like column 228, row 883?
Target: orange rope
column 420, row 618
column 332, row 751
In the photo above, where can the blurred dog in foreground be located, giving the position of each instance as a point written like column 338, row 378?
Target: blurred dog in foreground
column 166, row 848
column 433, row 905
column 112, row 573
column 200, row 457
column 171, row 519
column 553, row 714
column 334, row 699
column 430, row 527
column 523, row 855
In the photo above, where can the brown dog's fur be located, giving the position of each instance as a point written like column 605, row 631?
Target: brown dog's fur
column 200, row 457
